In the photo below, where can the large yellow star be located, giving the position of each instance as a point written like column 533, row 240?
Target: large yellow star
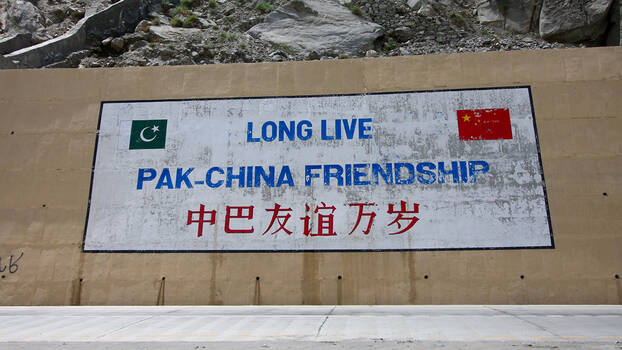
column 466, row 118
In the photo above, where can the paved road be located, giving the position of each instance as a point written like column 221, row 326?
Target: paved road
column 312, row 327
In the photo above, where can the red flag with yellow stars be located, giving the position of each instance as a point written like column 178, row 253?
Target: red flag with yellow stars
column 484, row 124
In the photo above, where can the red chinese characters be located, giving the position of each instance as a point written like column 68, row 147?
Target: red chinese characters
column 210, row 220
column 411, row 220
column 238, row 213
column 319, row 222
column 275, row 216
column 325, row 219
column 361, row 213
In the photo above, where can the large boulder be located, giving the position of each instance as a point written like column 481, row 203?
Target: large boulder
column 317, row 25
column 574, row 20
column 23, row 17
column 516, row 15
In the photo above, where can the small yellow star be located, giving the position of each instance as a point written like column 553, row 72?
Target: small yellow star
column 466, row 118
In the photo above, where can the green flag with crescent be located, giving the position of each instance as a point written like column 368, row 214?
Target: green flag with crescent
column 148, row 134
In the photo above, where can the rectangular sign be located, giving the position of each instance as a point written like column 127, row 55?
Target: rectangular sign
column 452, row 169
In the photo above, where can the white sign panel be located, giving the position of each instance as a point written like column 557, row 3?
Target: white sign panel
column 455, row 169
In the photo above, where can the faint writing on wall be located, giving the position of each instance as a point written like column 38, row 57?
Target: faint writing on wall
column 9, row 264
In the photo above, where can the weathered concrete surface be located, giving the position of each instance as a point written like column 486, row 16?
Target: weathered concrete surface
column 566, row 325
column 49, row 125
column 118, row 18
column 6, row 63
column 15, row 42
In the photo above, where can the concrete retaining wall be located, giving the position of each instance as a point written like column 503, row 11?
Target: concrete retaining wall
column 49, row 122
column 115, row 19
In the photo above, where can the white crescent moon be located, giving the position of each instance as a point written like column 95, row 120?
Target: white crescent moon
column 142, row 136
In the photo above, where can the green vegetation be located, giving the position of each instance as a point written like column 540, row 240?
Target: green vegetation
column 283, row 47
column 457, row 19
column 389, row 45
column 192, row 21
column 189, row 3
column 155, row 21
column 207, row 49
column 264, row 7
column 225, row 36
column 211, row 3
column 177, row 21
column 180, row 11
column 166, row 5
column 355, row 9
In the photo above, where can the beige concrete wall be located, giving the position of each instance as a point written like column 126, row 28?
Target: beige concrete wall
column 48, row 122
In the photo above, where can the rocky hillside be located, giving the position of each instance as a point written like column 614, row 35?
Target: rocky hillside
column 109, row 33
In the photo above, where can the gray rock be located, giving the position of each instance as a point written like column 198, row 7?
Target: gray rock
column 56, row 14
column 76, row 13
column 516, row 15
column 427, row 10
column 168, row 33
column 317, row 25
column 142, row 26
column 23, row 17
column 521, row 16
column 415, row 4
column 117, row 44
column 402, row 34
column 371, row 53
column 573, row 20
column 248, row 23
column 276, row 57
column 107, row 41
column 72, row 61
column 488, row 12
column 205, row 23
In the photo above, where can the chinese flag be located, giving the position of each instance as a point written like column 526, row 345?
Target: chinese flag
column 484, row 124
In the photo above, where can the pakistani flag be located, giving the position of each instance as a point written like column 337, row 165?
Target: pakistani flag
column 148, row 134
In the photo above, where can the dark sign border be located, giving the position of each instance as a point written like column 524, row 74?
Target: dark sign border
column 533, row 114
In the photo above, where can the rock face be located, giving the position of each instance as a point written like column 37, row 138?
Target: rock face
column 299, row 30
column 574, row 20
column 519, row 16
column 317, row 25
column 24, row 17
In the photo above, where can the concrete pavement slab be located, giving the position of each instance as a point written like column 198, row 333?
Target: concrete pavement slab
column 380, row 327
